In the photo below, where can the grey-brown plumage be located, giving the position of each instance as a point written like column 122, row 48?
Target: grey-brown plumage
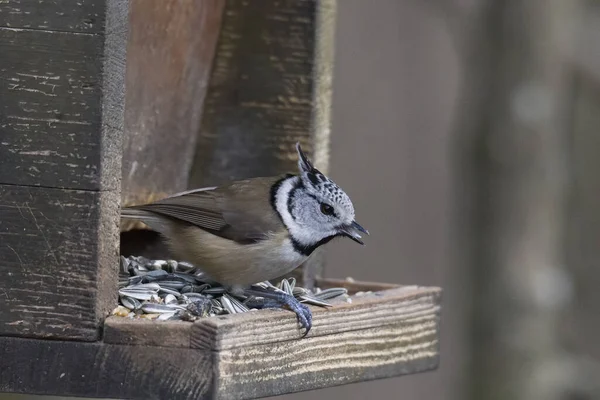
column 232, row 233
column 255, row 229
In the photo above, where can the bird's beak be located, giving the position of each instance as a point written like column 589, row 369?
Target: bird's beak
column 352, row 231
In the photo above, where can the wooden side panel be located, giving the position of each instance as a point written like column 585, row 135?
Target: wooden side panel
column 259, row 99
column 377, row 309
column 50, row 108
column 324, row 361
column 61, row 122
column 86, row 16
column 139, row 332
column 103, row 371
column 170, row 55
column 49, row 252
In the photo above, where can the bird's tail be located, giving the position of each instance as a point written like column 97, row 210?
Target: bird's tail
column 154, row 221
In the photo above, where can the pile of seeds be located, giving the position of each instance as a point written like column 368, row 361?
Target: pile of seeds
column 171, row 290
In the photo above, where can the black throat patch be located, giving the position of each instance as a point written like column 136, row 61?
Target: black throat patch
column 307, row 250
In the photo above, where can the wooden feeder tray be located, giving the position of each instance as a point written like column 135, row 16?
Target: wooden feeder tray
column 391, row 331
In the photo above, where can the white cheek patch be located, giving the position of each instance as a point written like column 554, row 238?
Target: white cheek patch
column 300, row 233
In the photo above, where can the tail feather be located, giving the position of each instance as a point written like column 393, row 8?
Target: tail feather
column 154, row 221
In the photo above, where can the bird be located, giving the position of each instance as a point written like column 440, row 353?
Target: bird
column 254, row 230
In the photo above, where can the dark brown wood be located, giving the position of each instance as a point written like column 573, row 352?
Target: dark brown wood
column 55, row 87
column 103, row 370
column 51, row 252
column 61, row 123
column 260, row 92
column 46, row 139
column 170, row 55
column 86, row 16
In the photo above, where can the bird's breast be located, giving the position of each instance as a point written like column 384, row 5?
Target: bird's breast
column 233, row 263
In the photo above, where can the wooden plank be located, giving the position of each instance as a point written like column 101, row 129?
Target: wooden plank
column 54, row 15
column 103, row 371
column 354, row 286
column 54, row 254
column 274, row 326
column 170, row 54
column 61, row 117
column 119, row 330
column 54, row 88
column 259, row 99
column 325, row 361
column 51, row 108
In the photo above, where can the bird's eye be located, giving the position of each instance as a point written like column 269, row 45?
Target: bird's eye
column 326, row 209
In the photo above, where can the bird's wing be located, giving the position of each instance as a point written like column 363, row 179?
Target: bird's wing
column 241, row 211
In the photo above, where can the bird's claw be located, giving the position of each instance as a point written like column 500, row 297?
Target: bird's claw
column 277, row 299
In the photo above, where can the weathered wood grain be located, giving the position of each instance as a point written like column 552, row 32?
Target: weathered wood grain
column 325, row 361
column 260, row 92
column 170, row 55
column 273, row 326
column 354, row 286
column 61, row 105
column 54, row 15
column 61, row 122
column 50, row 108
column 103, row 371
column 119, row 330
column 54, row 270
column 257, row 354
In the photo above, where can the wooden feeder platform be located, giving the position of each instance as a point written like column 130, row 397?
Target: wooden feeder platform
column 388, row 331
column 105, row 103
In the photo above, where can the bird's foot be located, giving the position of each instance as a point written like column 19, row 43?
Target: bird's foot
column 277, row 299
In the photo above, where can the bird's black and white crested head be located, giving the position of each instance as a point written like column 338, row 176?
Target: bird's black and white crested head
column 315, row 209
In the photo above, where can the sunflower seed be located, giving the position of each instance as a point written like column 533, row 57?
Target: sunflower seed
column 237, row 305
column 175, row 285
column 185, row 266
column 214, row 290
column 177, row 290
column 131, row 303
column 151, row 308
column 136, row 294
column 193, row 295
column 170, row 299
column 227, row 305
column 124, row 265
column 286, row 287
column 311, row 299
column 170, row 292
column 166, row 316
column 331, row 293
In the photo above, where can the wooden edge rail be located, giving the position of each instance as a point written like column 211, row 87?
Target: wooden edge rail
column 372, row 310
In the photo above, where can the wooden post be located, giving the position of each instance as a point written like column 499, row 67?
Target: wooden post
column 61, row 121
column 169, row 58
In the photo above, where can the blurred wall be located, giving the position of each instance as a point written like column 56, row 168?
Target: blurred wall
column 395, row 89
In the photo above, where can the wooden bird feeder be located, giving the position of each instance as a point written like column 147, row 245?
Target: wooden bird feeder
column 106, row 103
